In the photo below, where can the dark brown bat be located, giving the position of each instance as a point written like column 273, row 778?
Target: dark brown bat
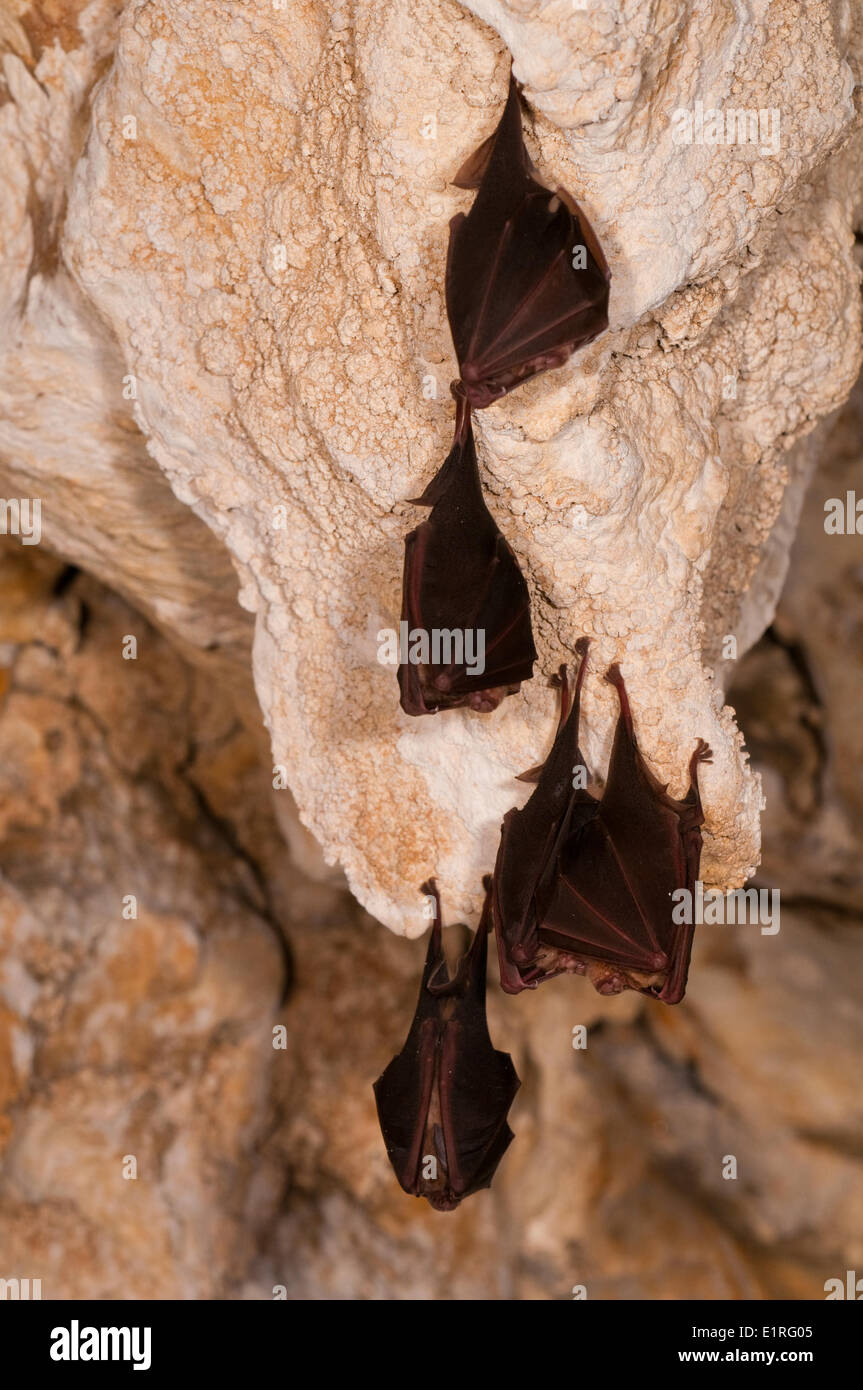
column 526, row 279
column 443, row 1101
column 584, row 884
column 462, row 594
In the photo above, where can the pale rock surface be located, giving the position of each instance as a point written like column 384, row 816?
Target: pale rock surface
column 262, row 247
column 258, row 1167
column 262, row 1169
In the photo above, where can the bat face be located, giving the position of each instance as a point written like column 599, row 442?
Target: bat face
column 526, row 280
column 583, row 884
column 463, row 595
column 443, row 1101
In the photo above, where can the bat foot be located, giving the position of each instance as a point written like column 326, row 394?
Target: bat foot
column 559, row 679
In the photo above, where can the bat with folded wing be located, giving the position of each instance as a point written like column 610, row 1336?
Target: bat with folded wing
column 584, row 883
column 443, row 1101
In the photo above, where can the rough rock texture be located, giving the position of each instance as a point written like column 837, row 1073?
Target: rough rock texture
column 263, row 1169
column 247, row 214
column 67, row 433
column 144, row 1037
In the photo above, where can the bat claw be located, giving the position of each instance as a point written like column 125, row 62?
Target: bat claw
column 559, row 678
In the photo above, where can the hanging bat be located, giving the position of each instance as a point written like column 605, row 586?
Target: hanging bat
column 583, row 884
column 526, row 280
column 443, row 1101
column 465, row 604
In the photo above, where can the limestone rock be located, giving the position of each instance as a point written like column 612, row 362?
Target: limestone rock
column 139, row 969
column 262, row 1169
column 247, row 214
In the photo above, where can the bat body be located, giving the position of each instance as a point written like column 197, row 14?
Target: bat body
column 443, row 1101
column 526, row 284
column 526, row 280
column 463, row 590
column 583, row 884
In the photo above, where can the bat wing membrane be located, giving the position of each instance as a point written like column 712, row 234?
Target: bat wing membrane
column 403, row 1094
column 460, row 575
column 478, row 1083
column 517, row 301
